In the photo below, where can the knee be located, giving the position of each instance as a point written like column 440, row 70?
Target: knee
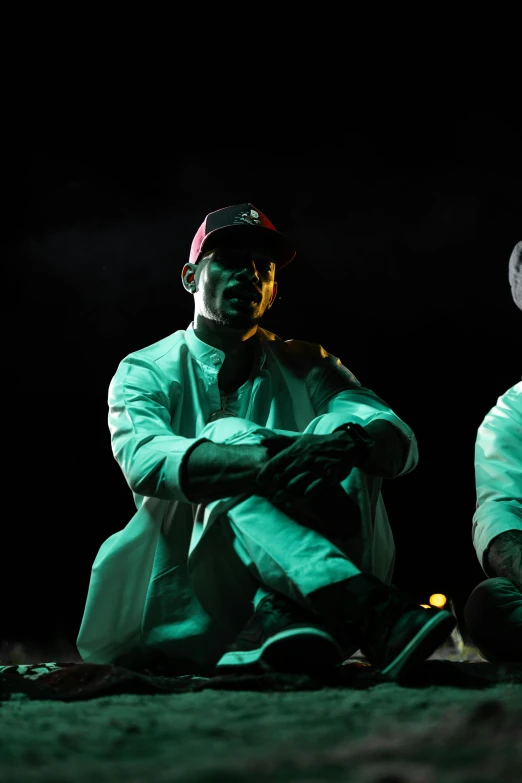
column 493, row 617
column 481, row 609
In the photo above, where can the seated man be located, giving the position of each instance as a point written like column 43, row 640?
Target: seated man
column 260, row 539
column 493, row 612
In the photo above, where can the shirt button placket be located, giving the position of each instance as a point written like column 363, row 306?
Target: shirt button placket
column 216, row 361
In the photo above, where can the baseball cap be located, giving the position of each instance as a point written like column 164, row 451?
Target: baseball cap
column 241, row 221
column 515, row 274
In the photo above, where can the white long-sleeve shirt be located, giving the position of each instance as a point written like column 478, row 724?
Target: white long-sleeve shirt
column 498, row 472
column 160, row 399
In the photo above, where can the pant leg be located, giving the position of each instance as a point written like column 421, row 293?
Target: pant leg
column 247, row 533
column 493, row 616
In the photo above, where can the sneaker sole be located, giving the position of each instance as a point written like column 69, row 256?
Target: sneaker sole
column 297, row 650
column 424, row 644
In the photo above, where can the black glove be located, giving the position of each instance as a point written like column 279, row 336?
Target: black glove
column 301, row 468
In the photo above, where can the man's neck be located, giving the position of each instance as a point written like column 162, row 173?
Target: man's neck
column 235, row 343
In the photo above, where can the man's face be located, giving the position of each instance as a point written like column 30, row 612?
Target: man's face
column 234, row 284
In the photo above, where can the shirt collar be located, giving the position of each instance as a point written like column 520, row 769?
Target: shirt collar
column 207, row 354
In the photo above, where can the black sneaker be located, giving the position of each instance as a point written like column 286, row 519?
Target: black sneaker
column 281, row 636
column 395, row 632
column 401, row 634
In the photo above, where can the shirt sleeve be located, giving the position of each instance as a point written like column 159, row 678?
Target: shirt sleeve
column 150, row 454
column 498, row 473
column 337, row 390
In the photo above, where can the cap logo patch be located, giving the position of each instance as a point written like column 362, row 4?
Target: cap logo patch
column 251, row 218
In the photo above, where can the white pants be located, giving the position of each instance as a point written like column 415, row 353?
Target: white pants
column 244, row 543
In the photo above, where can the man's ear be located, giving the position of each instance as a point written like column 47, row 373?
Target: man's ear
column 188, row 277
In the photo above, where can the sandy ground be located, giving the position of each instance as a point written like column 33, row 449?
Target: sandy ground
column 386, row 734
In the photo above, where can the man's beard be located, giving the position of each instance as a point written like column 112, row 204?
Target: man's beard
column 236, row 319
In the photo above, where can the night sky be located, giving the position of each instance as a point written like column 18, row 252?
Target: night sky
column 403, row 234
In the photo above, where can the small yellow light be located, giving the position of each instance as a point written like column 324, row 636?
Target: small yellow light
column 437, row 599
column 425, row 606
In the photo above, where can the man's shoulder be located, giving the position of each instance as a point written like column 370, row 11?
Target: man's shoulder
column 294, row 348
column 515, row 392
column 160, row 349
column 310, row 360
column 510, row 402
column 504, row 419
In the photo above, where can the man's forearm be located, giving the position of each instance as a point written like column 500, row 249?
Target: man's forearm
column 504, row 556
column 215, row 470
column 390, row 451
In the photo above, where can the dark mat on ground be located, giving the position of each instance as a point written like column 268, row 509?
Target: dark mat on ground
column 72, row 681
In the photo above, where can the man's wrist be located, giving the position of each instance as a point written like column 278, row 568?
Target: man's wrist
column 361, row 440
column 388, row 457
column 216, row 470
column 504, row 556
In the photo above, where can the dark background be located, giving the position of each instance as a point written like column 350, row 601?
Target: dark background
column 403, row 233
